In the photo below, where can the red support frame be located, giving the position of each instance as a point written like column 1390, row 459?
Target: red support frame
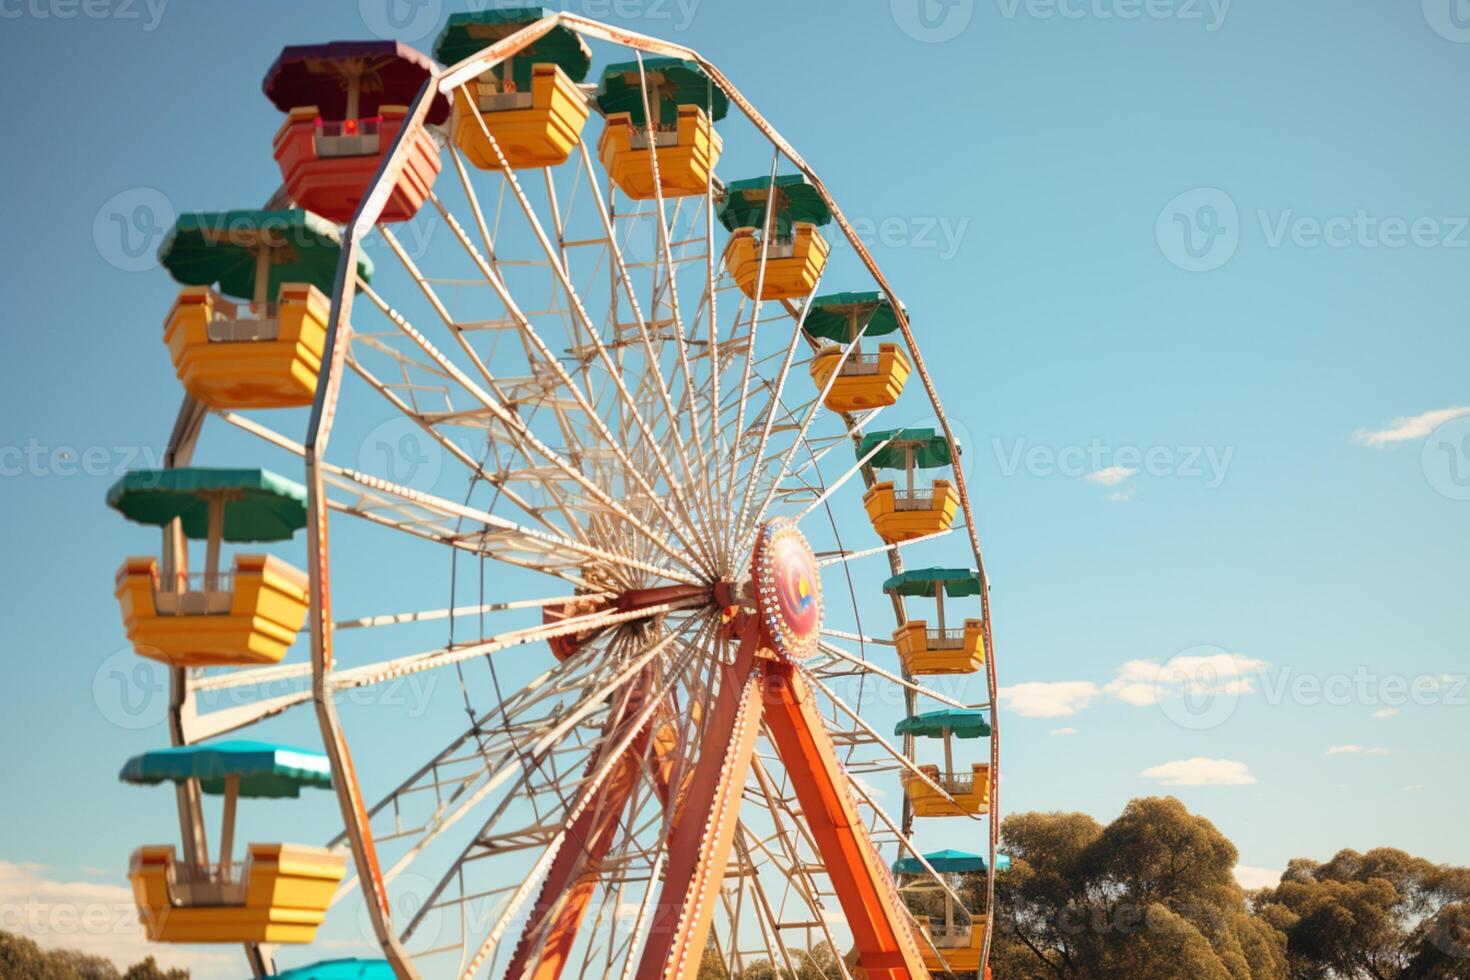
column 757, row 688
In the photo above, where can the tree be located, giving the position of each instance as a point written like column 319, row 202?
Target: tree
column 1383, row 915
column 1152, row 894
column 148, row 969
column 23, row 959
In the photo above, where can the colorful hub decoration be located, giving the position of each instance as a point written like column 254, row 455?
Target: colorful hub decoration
column 788, row 590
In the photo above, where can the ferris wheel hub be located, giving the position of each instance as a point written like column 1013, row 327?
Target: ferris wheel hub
column 788, row 590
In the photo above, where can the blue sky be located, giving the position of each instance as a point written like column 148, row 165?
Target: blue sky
column 1191, row 277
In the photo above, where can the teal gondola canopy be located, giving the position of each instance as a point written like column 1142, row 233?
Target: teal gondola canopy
column 672, row 82
column 258, row 504
column 265, row 770
column 838, row 316
column 950, row 861
column 925, row 583
column 959, row 722
column 795, row 199
column 929, row 450
column 469, row 33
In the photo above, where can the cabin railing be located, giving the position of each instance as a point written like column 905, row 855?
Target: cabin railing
column 957, row 936
column 946, row 639
column 662, row 137
column 214, row 884
column 196, row 594
column 491, row 99
column 234, row 323
column 916, row 499
column 348, row 137
column 860, row 365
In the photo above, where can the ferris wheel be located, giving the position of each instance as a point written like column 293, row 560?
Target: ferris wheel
column 675, row 477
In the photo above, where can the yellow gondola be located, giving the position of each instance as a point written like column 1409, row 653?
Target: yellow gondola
column 947, row 792
column 863, row 381
column 250, row 615
column 528, row 105
column 779, row 255
column 684, row 103
column 265, row 350
column 279, row 894
column 910, row 512
column 952, row 933
column 923, row 649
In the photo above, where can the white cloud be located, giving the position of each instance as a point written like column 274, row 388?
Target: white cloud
column 1251, row 878
column 874, row 791
column 1120, row 497
column 1356, row 750
column 1201, row 772
column 96, row 918
column 1409, row 427
column 1111, row 476
column 1385, row 712
column 1048, row 699
column 1062, row 731
column 1143, row 682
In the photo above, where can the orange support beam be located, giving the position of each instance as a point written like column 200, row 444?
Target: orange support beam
column 885, row 942
column 703, row 830
column 574, row 874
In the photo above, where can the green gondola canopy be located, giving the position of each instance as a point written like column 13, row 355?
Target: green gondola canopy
column 266, row 770
column 925, row 582
column 959, row 722
column 205, row 248
column 672, row 82
column 744, row 203
column 949, row 861
column 929, row 450
column 349, row 969
column 831, row 316
column 259, row 504
column 466, row 34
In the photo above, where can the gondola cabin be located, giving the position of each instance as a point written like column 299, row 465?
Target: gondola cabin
column 248, row 328
column 528, row 106
column 910, row 511
column 279, row 894
column 345, row 103
column 946, row 899
column 775, row 250
column 947, row 792
column 940, row 648
column 681, row 145
column 858, row 381
column 247, row 615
